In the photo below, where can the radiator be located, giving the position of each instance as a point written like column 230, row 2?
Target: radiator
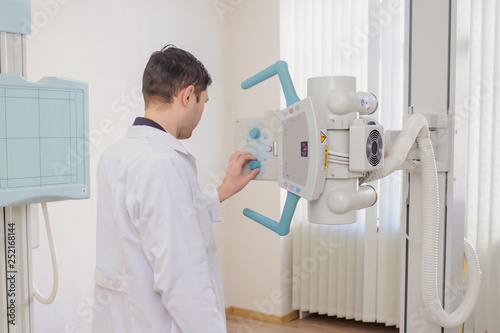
column 351, row 271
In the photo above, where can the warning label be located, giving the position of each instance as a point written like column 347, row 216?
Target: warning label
column 326, row 158
column 324, row 142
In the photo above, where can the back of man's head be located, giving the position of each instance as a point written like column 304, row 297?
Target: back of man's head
column 170, row 70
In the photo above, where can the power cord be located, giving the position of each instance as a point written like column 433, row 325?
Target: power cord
column 55, row 272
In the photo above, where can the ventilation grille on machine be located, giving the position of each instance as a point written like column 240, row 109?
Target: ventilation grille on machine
column 366, row 147
column 374, row 148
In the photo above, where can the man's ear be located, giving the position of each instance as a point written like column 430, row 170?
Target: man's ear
column 187, row 95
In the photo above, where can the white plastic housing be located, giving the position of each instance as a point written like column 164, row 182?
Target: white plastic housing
column 318, row 211
column 336, row 98
column 343, row 102
column 321, row 86
column 339, row 202
column 301, row 156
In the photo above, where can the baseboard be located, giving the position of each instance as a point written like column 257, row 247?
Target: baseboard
column 240, row 312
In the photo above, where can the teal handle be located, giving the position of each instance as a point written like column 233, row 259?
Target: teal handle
column 282, row 227
column 281, row 69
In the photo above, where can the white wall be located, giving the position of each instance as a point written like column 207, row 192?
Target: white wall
column 107, row 44
column 256, row 266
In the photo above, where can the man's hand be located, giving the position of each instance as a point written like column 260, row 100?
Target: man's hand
column 234, row 180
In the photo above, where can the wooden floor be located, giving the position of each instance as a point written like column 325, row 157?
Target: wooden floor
column 311, row 324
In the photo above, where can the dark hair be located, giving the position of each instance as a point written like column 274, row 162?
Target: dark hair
column 169, row 71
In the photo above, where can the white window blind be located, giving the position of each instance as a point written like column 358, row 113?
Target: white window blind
column 483, row 156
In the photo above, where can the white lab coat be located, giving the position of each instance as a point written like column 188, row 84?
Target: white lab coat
column 157, row 265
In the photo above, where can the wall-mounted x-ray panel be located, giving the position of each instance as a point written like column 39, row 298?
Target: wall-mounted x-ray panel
column 44, row 148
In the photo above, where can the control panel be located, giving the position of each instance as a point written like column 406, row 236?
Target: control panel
column 257, row 145
column 303, row 151
column 259, row 137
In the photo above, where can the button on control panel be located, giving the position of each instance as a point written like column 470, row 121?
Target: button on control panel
column 255, row 164
column 255, row 133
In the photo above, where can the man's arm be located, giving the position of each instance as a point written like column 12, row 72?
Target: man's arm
column 234, row 180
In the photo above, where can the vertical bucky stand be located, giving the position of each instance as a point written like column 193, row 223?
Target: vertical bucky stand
column 16, row 295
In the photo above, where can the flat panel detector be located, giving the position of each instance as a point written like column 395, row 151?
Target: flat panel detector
column 44, row 147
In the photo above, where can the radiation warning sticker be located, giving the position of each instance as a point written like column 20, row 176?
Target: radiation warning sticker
column 323, row 136
column 324, row 146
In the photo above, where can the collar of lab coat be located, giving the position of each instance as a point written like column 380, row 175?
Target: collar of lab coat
column 151, row 132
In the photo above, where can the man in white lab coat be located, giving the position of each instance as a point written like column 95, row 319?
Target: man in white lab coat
column 157, row 264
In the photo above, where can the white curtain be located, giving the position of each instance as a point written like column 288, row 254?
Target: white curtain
column 483, row 178
column 352, row 270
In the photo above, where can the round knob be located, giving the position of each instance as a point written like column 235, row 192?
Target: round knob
column 254, row 164
column 255, row 133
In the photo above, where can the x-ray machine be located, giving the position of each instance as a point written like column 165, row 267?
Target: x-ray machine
column 326, row 149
